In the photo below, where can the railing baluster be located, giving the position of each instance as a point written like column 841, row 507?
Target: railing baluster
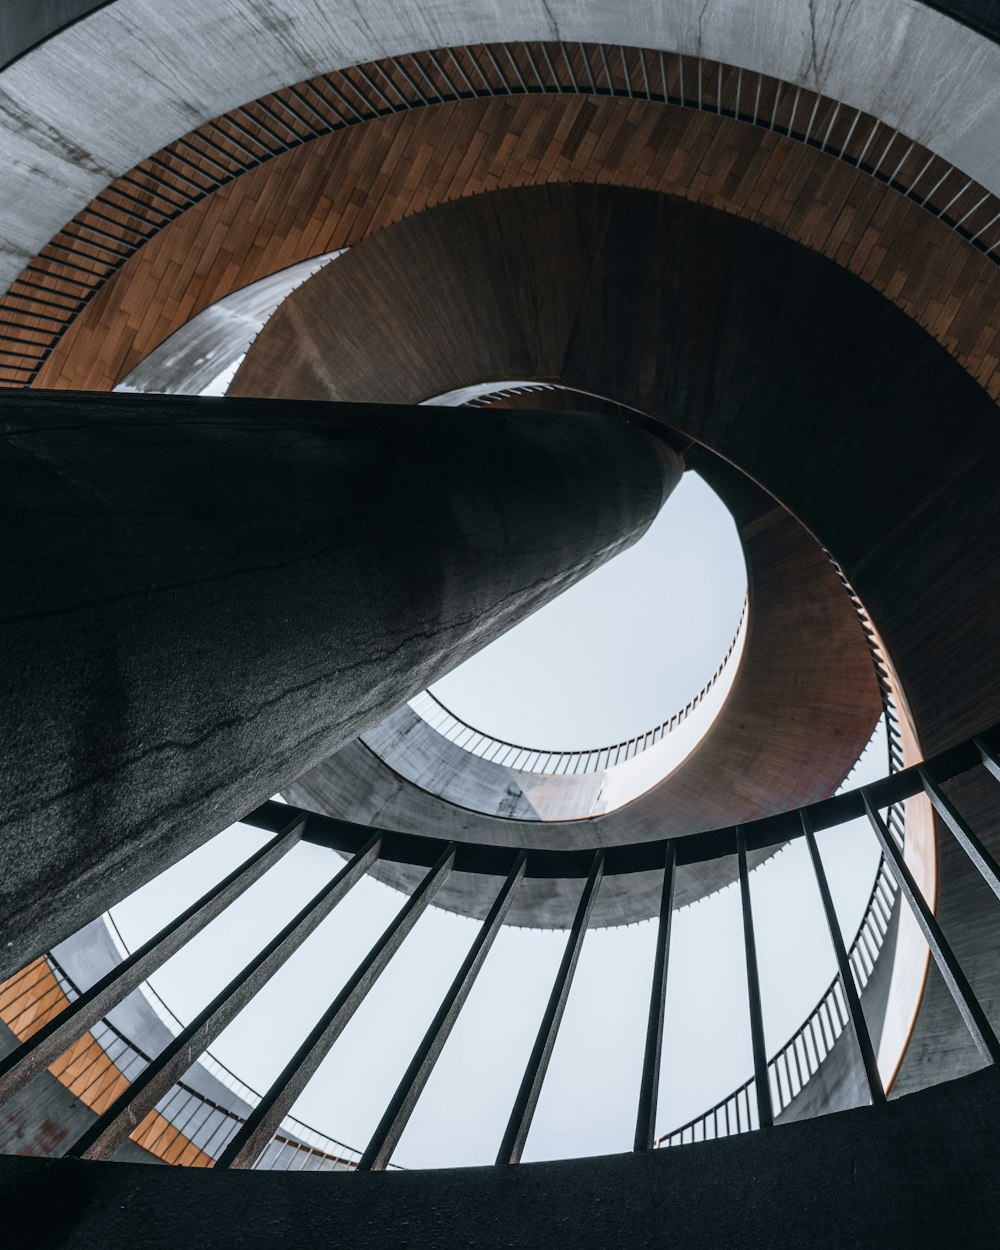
column 104, row 1137
column 531, row 1083
column 765, row 1113
column 649, row 1086
column 863, row 1038
column 264, row 1120
column 44, row 1047
column 965, row 1000
column 390, row 1129
column 991, row 761
column 968, row 841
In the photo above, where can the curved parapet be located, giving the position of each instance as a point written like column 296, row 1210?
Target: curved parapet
column 429, row 746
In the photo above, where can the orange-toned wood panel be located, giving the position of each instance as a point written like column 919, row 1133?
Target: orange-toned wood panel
column 162, row 1139
column 336, row 191
column 87, row 1072
column 31, row 998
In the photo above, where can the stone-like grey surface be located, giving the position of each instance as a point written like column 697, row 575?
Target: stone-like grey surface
column 410, row 747
column 25, row 23
column 138, row 73
column 201, row 598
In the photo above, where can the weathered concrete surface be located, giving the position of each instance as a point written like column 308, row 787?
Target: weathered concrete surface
column 137, row 73
column 920, row 1173
column 25, row 23
column 202, row 598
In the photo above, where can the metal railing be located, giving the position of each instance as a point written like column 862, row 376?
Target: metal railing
column 187, row 1126
column 801, row 1057
column 67, row 273
column 506, row 868
column 561, row 763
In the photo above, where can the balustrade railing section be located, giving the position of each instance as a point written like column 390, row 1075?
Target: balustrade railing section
column 562, row 763
column 61, row 1032
column 188, row 1128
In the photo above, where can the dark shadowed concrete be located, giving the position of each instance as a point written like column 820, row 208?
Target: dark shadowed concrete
column 920, row 1173
column 203, row 598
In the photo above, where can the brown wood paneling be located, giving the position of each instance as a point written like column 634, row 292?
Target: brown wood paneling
column 31, row 998
column 336, row 190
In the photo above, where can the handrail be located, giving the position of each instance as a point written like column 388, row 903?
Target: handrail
column 559, row 762
column 829, row 1012
column 494, row 860
column 124, row 1106
column 798, row 1061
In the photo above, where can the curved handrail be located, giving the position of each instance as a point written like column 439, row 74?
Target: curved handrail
column 130, row 211
column 495, row 860
column 829, row 1013
column 123, row 1105
column 798, row 1061
column 560, row 763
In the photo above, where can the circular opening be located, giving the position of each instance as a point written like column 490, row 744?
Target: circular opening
column 624, row 649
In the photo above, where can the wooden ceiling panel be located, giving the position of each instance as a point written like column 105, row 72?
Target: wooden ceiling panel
column 340, row 190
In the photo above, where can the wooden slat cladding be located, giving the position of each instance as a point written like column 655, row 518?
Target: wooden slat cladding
column 335, row 192
column 31, row 998
column 77, row 263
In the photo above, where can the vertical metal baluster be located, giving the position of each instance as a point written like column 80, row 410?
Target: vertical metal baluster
column 989, row 757
column 45, row 1046
column 875, row 1091
column 534, row 1074
column 765, row 1113
column 649, row 1086
column 263, row 1121
column 961, row 991
column 111, row 1129
column 390, row 1130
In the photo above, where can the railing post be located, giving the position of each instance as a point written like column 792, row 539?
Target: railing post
column 263, row 1121
column 765, row 1111
column 117, row 1123
column 531, row 1083
column 876, row 1091
column 44, row 1047
column 645, row 1124
column 961, row 991
column 390, row 1129
column 991, row 761
column 967, row 840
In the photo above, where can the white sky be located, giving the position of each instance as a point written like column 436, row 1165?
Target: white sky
column 646, row 631
column 677, row 615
